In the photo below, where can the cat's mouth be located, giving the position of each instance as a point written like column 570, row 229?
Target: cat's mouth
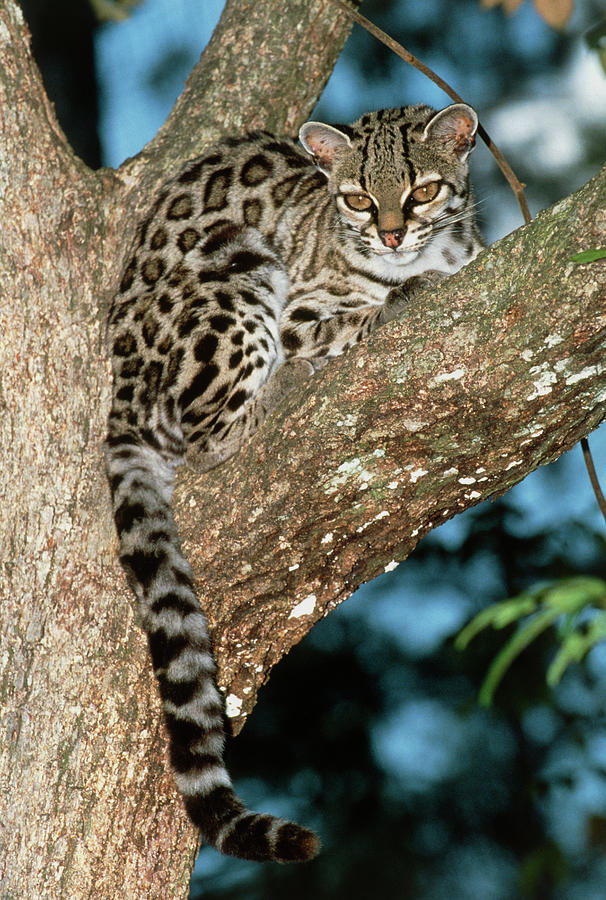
column 398, row 256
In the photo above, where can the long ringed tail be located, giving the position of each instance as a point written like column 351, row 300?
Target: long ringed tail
column 141, row 477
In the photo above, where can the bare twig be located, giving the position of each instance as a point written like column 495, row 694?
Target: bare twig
column 516, row 185
column 593, row 477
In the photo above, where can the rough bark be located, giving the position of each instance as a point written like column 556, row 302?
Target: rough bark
column 87, row 808
column 498, row 373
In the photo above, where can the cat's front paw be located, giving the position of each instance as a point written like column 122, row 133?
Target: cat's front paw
column 400, row 296
column 428, row 279
column 285, row 379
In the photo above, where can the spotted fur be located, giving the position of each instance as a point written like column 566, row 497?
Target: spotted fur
column 258, row 262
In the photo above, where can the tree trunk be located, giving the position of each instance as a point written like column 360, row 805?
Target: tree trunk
column 480, row 383
column 88, row 808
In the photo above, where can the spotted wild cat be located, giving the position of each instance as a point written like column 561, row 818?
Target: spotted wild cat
column 258, row 262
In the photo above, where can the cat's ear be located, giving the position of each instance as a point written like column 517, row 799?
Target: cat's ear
column 455, row 127
column 323, row 142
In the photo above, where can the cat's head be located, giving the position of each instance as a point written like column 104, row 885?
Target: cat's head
column 397, row 175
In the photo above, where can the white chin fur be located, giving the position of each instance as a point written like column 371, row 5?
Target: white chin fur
column 396, row 258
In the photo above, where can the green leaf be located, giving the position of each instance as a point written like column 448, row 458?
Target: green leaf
column 513, row 648
column 575, row 647
column 562, row 602
column 113, row 10
column 499, row 615
column 586, row 256
column 570, row 595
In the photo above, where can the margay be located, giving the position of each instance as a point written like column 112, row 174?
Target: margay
column 258, row 262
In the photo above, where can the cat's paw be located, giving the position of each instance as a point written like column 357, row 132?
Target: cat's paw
column 285, row 379
column 400, row 296
column 428, row 279
column 293, row 371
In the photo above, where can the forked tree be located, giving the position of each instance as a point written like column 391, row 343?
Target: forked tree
column 497, row 372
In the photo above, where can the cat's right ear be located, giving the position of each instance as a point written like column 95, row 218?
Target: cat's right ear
column 323, row 143
column 455, row 127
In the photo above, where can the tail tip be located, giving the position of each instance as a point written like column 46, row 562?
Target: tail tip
column 296, row 844
column 229, row 827
column 263, row 838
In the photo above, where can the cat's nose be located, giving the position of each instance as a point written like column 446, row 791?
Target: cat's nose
column 392, row 239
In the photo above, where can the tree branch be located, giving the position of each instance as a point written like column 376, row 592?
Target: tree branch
column 475, row 387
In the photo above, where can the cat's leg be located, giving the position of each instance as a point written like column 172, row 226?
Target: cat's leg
column 309, row 330
column 229, row 435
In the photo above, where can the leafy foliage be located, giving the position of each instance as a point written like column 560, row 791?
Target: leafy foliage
column 586, row 256
column 576, row 605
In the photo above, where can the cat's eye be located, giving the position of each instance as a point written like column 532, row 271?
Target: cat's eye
column 426, row 192
column 359, row 202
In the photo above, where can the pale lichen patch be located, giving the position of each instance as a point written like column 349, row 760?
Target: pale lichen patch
column 382, row 515
column 455, row 375
column 351, row 469
column 390, row 566
column 543, row 384
column 561, row 365
column 5, row 35
column 304, row 608
column 257, row 511
column 412, row 425
column 587, row 372
column 561, row 207
column 415, row 474
column 348, row 422
column 233, row 704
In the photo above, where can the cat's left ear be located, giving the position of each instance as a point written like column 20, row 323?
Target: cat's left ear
column 455, row 127
column 323, row 142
